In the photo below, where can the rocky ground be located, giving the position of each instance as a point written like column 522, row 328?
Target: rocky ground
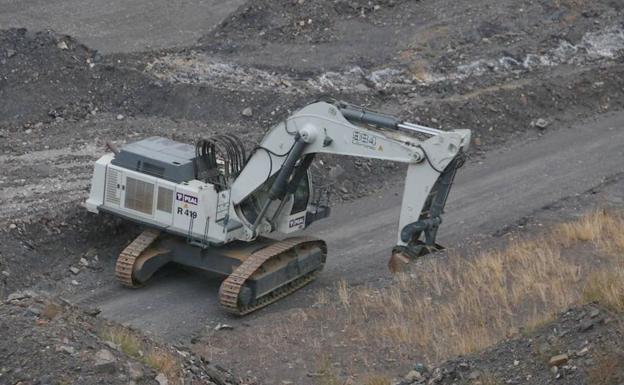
column 581, row 346
column 47, row 341
column 505, row 69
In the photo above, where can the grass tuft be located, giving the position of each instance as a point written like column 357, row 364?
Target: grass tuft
column 164, row 362
column 128, row 343
column 606, row 288
column 158, row 359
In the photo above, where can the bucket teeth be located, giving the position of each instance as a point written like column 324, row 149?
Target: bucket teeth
column 128, row 257
column 234, row 283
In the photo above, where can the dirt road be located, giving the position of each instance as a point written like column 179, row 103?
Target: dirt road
column 119, row 25
column 509, row 184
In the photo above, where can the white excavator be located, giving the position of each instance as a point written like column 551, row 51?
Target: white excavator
column 212, row 207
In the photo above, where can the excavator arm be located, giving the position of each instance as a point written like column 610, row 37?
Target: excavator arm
column 432, row 156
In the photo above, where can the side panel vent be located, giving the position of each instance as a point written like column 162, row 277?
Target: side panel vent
column 165, row 199
column 151, row 169
column 112, row 182
column 139, row 196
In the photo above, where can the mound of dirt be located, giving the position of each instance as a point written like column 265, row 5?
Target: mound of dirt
column 52, row 78
column 583, row 345
column 302, row 21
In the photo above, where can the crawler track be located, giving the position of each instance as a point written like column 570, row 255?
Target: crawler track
column 233, row 284
column 128, row 257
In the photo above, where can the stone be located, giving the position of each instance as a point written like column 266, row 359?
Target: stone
column 477, row 141
column 74, row 282
column 91, row 253
column 10, row 53
column 421, row 368
column 84, row 262
column 594, row 313
column 474, row 375
column 15, row 296
column 105, row 361
column 586, row 325
column 558, row 360
column 221, row 326
column 67, row 349
column 62, row 45
column 248, row 112
column 74, row 270
column 162, row 379
column 135, row 371
column 335, row 172
column 412, row 376
column 120, row 117
column 6, row 273
column 543, row 348
column 93, row 311
column 583, row 352
column 541, row 123
column 12, row 226
column 34, row 310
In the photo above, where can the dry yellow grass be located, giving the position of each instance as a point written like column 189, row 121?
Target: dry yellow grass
column 344, row 293
column 606, row 288
column 450, row 308
column 159, row 360
column 601, row 227
column 128, row 343
column 165, row 363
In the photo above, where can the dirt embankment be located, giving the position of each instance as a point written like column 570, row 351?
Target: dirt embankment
column 47, row 341
column 581, row 346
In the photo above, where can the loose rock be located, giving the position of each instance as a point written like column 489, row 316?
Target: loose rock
column 541, row 123
column 66, row 349
column 412, row 376
column 105, row 361
column 247, row 112
column 162, row 379
column 135, row 371
column 558, row 360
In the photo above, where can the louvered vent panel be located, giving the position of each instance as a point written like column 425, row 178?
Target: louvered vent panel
column 112, row 193
column 139, row 195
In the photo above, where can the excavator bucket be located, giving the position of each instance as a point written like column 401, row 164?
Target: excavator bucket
column 401, row 259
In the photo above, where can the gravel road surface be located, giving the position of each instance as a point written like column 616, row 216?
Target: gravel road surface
column 120, row 25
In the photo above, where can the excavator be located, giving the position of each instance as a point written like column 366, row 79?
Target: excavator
column 213, row 207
